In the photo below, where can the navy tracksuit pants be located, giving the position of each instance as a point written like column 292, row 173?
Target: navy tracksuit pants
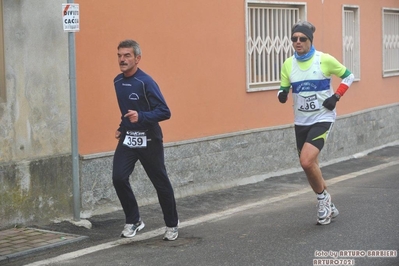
column 152, row 160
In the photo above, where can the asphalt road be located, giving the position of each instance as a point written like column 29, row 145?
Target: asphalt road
column 272, row 222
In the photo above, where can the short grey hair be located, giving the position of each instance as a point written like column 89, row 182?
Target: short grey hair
column 130, row 44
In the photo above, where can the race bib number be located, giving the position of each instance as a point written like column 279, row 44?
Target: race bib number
column 135, row 139
column 308, row 104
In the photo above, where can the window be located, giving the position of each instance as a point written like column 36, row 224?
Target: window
column 351, row 39
column 390, row 44
column 2, row 68
column 269, row 41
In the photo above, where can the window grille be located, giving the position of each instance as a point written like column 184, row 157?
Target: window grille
column 390, row 45
column 351, row 40
column 268, row 42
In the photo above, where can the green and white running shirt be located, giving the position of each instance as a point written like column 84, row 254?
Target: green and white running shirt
column 311, row 85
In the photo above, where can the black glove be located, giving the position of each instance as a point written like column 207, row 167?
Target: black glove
column 330, row 102
column 282, row 96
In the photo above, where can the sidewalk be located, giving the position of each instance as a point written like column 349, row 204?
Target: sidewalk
column 19, row 245
column 18, row 242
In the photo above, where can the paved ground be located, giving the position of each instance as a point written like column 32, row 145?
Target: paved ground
column 20, row 242
column 241, row 215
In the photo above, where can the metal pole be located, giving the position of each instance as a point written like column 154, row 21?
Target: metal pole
column 74, row 134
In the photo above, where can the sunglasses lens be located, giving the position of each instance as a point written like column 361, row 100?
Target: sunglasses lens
column 302, row 39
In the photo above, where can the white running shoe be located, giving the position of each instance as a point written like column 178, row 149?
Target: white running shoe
column 334, row 211
column 130, row 230
column 324, row 209
column 171, row 233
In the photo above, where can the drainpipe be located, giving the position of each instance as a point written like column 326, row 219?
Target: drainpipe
column 74, row 134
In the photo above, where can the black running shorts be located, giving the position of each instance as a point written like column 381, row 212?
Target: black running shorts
column 315, row 134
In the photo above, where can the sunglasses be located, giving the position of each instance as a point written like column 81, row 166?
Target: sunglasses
column 302, row 39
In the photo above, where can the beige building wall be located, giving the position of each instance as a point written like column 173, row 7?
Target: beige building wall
column 35, row 131
column 34, row 118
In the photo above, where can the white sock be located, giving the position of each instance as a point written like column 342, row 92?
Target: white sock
column 322, row 195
